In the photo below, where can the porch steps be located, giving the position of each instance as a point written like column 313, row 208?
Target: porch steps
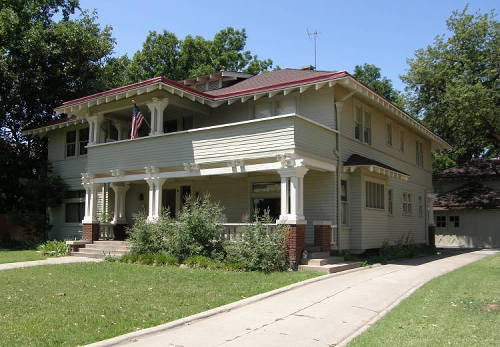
column 103, row 249
column 323, row 262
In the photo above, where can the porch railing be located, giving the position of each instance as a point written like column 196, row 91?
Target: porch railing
column 106, row 231
column 233, row 231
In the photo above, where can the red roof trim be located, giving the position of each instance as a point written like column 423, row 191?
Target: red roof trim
column 194, row 91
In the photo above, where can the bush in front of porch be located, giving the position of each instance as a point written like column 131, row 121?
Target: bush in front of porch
column 196, row 238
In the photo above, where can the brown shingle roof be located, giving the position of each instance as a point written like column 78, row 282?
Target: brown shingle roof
column 470, row 195
column 359, row 160
column 478, row 168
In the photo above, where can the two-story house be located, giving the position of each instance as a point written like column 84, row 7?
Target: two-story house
column 317, row 148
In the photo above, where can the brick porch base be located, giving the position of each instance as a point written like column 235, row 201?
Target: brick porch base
column 91, row 232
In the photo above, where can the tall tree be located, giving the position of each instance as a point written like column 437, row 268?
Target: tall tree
column 163, row 54
column 43, row 61
column 453, row 86
column 370, row 75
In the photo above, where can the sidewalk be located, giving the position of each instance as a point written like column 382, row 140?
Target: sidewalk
column 328, row 312
column 49, row 261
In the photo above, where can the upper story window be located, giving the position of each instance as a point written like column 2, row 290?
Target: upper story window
column 71, row 143
column 389, row 133
column 83, row 140
column 362, row 125
column 402, row 141
column 419, row 153
column 374, row 195
column 390, row 199
column 407, row 204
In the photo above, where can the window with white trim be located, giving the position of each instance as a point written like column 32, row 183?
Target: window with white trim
column 83, row 141
column 388, row 126
column 420, row 206
column 407, row 204
column 419, row 153
column 374, row 195
column 441, row 221
column 390, row 198
column 358, row 123
column 455, row 221
column 71, row 143
column 367, row 128
column 344, row 211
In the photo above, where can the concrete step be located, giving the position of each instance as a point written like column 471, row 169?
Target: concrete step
column 325, row 261
column 96, row 254
column 112, row 243
column 318, row 255
column 331, row 268
column 107, row 248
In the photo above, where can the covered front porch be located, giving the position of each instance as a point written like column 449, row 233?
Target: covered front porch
column 295, row 191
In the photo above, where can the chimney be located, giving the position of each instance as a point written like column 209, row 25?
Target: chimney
column 308, row 67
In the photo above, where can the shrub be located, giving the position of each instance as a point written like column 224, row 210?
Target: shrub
column 404, row 248
column 259, row 248
column 54, row 248
column 158, row 259
column 197, row 231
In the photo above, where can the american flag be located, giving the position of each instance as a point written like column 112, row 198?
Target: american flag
column 137, row 119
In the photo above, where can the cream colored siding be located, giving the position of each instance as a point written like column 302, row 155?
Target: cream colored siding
column 314, row 140
column 356, row 211
column 477, row 229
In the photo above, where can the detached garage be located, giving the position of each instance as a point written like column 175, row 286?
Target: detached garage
column 467, row 206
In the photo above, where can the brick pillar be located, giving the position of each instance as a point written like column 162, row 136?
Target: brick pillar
column 323, row 235
column 296, row 243
column 91, row 231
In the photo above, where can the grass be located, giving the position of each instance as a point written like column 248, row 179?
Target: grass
column 76, row 304
column 461, row 308
column 14, row 256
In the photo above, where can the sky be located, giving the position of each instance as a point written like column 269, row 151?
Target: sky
column 384, row 33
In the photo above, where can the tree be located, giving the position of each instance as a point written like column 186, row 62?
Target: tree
column 453, row 86
column 43, row 62
column 163, row 54
column 370, row 75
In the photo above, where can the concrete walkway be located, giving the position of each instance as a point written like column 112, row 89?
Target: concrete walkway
column 328, row 312
column 49, row 261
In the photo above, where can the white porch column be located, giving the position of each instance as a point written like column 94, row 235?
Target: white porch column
column 156, row 107
column 292, row 192
column 119, row 210
column 158, row 183
column 90, row 203
column 155, row 193
column 95, row 128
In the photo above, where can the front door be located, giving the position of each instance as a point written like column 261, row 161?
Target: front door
column 169, row 199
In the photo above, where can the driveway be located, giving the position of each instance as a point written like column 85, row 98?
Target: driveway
column 324, row 313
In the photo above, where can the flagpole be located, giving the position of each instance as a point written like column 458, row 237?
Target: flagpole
column 133, row 102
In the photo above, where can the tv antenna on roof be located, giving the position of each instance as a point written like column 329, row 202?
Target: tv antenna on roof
column 313, row 35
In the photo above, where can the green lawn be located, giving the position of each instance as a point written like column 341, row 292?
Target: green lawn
column 461, row 308
column 75, row 304
column 14, row 256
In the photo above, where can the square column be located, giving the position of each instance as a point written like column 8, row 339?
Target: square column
column 119, row 210
column 292, row 195
column 95, row 123
column 156, row 109
column 90, row 222
column 155, row 198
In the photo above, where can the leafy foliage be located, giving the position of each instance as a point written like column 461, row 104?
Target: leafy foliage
column 260, row 248
column 163, row 54
column 54, row 248
column 196, row 231
column 453, row 85
column 370, row 75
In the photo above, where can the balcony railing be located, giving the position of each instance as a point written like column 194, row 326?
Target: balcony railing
column 253, row 139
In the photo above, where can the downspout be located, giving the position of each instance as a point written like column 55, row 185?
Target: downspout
column 337, row 107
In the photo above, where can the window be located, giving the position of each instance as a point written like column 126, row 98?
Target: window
column 266, row 196
column 455, row 221
column 374, row 195
column 344, row 208
column 83, row 140
column 75, row 212
column 367, row 130
column 402, row 141
column 420, row 206
column 187, row 123
column 358, row 123
column 419, row 153
column 441, row 221
column 389, row 133
column 390, row 201
column 407, row 204
column 71, row 143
